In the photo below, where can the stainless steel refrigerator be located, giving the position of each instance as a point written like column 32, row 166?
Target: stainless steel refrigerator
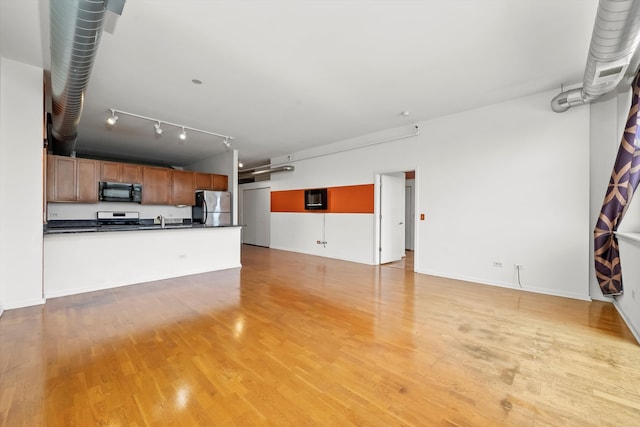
column 212, row 208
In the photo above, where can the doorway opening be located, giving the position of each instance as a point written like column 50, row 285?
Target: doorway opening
column 396, row 219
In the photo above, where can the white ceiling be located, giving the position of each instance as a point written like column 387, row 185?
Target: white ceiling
column 281, row 76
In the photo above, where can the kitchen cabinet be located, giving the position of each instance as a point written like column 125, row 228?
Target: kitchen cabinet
column 156, row 186
column 210, row 181
column 204, row 181
column 87, row 180
column 72, row 180
column 183, row 188
column 131, row 173
column 220, row 182
column 120, row 172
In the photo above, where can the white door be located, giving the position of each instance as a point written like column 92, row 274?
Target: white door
column 391, row 218
column 256, row 217
column 248, row 217
column 263, row 216
column 409, row 209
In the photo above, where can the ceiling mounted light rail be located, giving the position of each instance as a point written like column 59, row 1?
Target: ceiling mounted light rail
column 182, row 136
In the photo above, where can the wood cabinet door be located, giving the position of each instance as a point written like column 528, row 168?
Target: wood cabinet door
column 156, row 186
column 110, row 171
column 61, row 182
column 183, row 188
column 221, row 182
column 131, row 173
column 204, row 181
column 87, row 180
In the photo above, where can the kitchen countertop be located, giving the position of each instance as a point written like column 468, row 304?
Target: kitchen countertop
column 91, row 227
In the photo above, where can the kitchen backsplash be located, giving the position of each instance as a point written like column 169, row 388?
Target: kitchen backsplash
column 56, row 211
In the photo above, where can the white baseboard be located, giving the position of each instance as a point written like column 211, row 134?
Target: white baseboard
column 24, row 303
column 544, row 291
column 630, row 325
column 1, row 310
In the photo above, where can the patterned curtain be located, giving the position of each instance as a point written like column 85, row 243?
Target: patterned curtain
column 623, row 182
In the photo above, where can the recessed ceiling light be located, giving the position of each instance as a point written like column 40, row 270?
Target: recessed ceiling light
column 196, row 81
column 405, row 113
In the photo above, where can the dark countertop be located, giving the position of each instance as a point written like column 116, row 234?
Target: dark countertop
column 91, row 226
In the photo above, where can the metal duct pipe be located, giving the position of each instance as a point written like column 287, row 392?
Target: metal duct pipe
column 76, row 27
column 254, row 172
column 616, row 34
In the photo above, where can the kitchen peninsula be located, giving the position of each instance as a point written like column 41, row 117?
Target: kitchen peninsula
column 90, row 261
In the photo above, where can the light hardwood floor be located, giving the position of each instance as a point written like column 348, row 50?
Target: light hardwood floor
column 292, row 339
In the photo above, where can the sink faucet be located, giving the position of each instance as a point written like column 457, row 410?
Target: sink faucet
column 161, row 219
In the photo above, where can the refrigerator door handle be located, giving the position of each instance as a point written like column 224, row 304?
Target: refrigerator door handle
column 205, row 211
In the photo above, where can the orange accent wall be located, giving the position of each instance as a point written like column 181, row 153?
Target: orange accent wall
column 347, row 199
column 287, row 201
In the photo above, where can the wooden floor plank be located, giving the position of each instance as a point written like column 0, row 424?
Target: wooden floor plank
column 292, row 339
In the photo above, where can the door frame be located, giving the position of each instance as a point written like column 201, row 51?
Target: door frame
column 377, row 209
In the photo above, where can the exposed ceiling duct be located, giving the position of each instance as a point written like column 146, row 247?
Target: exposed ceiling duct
column 76, row 27
column 252, row 173
column 615, row 37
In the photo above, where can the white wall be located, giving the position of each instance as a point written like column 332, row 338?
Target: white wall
column 627, row 303
column 21, row 206
column 507, row 183
column 75, row 263
column 58, row 211
column 223, row 164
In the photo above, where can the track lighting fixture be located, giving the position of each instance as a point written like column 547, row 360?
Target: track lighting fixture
column 182, row 136
column 158, row 128
column 113, row 118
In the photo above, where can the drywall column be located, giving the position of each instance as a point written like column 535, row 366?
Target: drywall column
column 224, row 164
column 21, row 119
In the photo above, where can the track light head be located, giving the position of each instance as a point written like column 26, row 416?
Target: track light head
column 157, row 128
column 113, row 119
column 183, row 135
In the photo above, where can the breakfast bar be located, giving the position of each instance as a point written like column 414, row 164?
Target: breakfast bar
column 89, row 261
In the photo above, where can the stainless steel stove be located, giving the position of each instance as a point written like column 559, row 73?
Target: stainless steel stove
column 118, row 219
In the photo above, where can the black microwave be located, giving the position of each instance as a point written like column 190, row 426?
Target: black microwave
column 315, row 199
column 120, row 192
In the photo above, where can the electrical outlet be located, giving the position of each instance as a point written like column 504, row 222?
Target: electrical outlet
column 497, row 264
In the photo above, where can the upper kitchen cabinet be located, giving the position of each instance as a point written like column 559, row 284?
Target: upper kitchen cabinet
column 183, row 185
column 208, row 181
column 220, row 182
column 120, row 172
column 72, row 180
column 204, row 181
column 87, row 172
column 156, row 186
